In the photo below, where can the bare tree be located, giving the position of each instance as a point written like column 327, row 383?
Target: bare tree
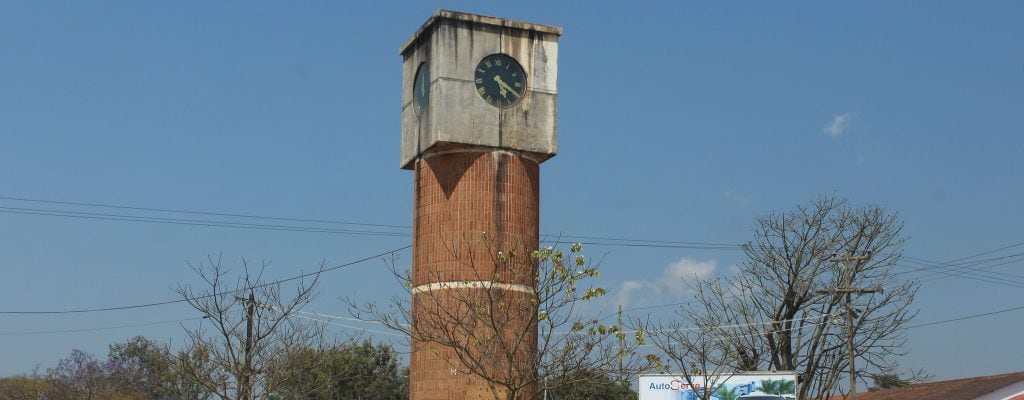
column 517, row 342
column 891, row 379
column 782, row 302
column 704, row 344
column 248, row 325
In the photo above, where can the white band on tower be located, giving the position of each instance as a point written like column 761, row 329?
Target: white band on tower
column 427, row 287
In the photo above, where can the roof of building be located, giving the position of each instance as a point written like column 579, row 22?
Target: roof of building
column 967, row 388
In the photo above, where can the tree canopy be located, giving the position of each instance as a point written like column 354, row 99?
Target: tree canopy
column 349, row 372
column 784, row 309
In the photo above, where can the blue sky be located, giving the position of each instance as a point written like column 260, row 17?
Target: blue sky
column 677, row 121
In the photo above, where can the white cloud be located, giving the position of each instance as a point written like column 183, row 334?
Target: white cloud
column 839, row 125
column 672, row 282
column 687, row 269
column 626, row 292
column 736, row 198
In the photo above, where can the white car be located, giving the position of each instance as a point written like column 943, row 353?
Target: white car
column 761, row 396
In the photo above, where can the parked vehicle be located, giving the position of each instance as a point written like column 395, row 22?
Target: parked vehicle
column 761, row 396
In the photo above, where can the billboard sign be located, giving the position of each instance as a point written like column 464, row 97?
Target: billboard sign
column 734, row 387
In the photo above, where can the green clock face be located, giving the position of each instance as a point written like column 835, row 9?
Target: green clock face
column 421, row 88
column 500, row 81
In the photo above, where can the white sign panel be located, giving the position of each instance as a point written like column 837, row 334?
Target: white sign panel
column 676, row 387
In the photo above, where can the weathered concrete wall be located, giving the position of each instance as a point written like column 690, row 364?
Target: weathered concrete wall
column 453, row 43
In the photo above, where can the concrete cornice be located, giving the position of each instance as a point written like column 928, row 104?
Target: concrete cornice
column 442, row 14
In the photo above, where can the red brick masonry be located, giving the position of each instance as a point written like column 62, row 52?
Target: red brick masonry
column 469, row 204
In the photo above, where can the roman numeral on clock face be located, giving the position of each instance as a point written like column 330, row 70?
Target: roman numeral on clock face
column 500, row 80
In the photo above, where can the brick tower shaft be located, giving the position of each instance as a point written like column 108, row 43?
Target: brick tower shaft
column 470, row 204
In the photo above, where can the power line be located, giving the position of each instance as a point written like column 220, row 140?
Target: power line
column 1010, row 246
column 218, row 214
column 948, row 267
column 190, row 222
column 667, row 246
column 319, row 316
column 929, row 267
column 966, row 317
column 931, row 264
column 658, row 306
column 104, row 328
column 743, row 325
column 604, row 241
column 161, row 303
column 986, row 279
column 682, row 303
column 581, row 238
column 985, row 269
column 758, row 333
column 967, row 265
column 329, row 322
column 977, row 266
column 996, row 279
column 959, row 266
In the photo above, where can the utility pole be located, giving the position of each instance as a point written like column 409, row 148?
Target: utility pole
column 619, row 326
column 245, row 380
column 851, row 262
column 245, row 384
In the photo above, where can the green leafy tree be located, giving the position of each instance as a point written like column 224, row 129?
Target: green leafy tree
column 23, row 387
column 136, row 369
column 350, row 372
column 592, row 385
column 777, row 386
column 149, row 369
column 78, row 376
column 726, row 394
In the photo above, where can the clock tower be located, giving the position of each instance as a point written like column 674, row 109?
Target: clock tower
column 478, row 118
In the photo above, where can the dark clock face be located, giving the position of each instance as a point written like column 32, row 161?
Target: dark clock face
column 500, row 81
column 421, row 88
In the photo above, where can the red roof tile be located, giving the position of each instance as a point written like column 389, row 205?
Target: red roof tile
column 967, row 388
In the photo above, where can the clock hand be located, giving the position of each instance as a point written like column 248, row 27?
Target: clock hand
column 497, row 78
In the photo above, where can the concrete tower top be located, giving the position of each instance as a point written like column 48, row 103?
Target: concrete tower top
column 478, row 19
column 445, row 104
